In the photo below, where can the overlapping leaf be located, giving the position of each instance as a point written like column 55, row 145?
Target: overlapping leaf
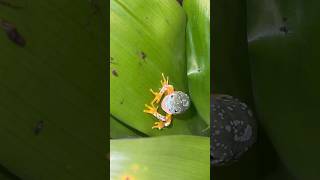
column 168, row 157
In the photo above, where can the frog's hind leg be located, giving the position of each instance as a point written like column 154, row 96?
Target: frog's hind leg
column 158, row 125
column 168, row 120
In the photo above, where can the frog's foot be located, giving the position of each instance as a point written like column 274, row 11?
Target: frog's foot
column 168, row 120
column 157, row 97
column 158, row 125
column 151, row 109
column 164, row 81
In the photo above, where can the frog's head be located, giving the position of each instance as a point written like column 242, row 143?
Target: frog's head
column 175, row 103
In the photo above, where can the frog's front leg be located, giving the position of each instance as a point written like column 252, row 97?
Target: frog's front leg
column 154, row 111
column 166, row 88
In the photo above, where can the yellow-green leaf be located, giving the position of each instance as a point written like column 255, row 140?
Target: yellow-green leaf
column 168, row 157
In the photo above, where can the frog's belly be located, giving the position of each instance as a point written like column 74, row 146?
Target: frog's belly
column 165, row 104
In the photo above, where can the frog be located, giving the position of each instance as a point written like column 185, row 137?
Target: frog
column 172, row 103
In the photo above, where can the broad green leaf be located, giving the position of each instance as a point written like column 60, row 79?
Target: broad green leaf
column 58, row 78
column 168, row 157
column 147, row 39
column 284, row 51
column 198, row 54
column 120, row 130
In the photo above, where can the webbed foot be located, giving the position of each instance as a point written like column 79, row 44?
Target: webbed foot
column 158, row 125
column 164, row 81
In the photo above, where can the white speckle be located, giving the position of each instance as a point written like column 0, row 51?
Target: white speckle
column 250, row 113
column 236, row 122
column 246, row 135
column 243, row 106
column 230, row 108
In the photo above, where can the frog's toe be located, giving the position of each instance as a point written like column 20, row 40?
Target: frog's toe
column 158, row 125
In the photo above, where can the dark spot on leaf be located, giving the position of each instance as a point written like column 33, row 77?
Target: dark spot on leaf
column 122, row 101
column 112, row 60
column 284, row 29
column 180, row 1
column 142, row 55
column 12, row 33
column 95, row 6
column 284, row 19
column 115, row 73
column 16, row 37
column 38, row 128
column 9, row 4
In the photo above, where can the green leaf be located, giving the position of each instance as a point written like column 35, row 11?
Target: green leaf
column 231, row 75
column 168, row 157
column 58, row 77
column 120, row 130
column 7, row 175
column 147, row 39
column 198, row 54
column 284, row 52
column 231, row 70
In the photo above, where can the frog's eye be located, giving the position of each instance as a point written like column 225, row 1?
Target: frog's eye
column 175, row 111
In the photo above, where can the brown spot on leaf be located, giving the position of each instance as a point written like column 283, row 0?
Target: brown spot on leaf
column 115, row 73
column 9, row 4
column 180, row 1
column 142, row 55
column 16, row 37
column 284, row 19
column 112, row 60
column 12, row 33
column 38, row 128
column 284, row 29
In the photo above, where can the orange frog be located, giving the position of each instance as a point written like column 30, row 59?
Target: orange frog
column 174, row 102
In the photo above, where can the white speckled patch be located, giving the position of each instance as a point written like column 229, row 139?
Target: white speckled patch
column 234, row 129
